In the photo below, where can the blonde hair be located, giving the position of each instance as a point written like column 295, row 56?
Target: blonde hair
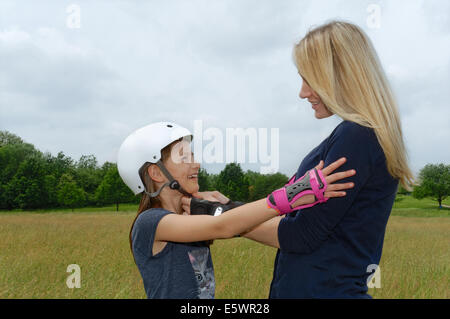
column 339, row 63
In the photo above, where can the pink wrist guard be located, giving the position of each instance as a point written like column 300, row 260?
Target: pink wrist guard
column 312, row 183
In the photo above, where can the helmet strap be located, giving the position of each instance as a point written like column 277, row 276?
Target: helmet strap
column 172, row 183
column 157, row 192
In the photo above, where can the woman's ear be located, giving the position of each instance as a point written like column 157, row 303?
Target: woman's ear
column 155, row 173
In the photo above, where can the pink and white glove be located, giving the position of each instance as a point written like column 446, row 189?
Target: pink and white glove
column 312, row 183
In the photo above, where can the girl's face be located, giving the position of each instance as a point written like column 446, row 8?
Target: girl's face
column 320, row 109
column 182, row 166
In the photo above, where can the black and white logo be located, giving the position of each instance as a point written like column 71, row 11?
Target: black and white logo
column 218, row 211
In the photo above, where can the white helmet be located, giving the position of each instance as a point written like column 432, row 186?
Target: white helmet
column 144, row 145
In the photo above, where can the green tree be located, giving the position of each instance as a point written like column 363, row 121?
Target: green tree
column 69, row 193
column 27, row 186
column 60, row 164
column 434, row 183
column 263, row 184
column 7, row 138
column 212, row 181
column 88, row 176
column 57, row 166
column 51, row 189
column 13, row 152
column 25, row 192
column 106, row 167
column 87, row 161
column 112, row 190
column 203, row 180
column 233, row 183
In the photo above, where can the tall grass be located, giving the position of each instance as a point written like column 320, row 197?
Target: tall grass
column 35, row 250
column 415, row 261
column 37, row 247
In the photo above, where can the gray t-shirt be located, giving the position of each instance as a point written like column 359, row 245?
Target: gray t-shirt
column 179, row 271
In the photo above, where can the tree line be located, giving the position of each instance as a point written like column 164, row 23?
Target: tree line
column 31, row 179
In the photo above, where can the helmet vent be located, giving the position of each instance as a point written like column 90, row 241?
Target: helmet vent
column 168, row 125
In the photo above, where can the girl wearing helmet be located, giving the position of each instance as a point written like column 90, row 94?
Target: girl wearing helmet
column 168, row 246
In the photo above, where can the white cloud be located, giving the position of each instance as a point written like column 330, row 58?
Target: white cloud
column 228, row 63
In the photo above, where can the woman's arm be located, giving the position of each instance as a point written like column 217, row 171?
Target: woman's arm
column 182, row 228
column 307, row 231
column 265, row 233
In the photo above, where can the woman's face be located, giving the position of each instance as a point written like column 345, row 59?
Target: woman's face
column 182, row 166
column 320, row 109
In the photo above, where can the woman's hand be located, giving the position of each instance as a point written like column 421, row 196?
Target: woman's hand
column 212, row 196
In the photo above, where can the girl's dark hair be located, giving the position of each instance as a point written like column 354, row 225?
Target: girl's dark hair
column 148, row 202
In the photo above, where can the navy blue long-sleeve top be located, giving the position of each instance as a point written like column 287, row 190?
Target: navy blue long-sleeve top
column 330, row 249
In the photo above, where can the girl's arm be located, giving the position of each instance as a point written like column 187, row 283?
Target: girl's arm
column 187, row 228
column 267, row 232
column 182, row 228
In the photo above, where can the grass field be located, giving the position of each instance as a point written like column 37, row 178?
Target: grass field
column 37, row 247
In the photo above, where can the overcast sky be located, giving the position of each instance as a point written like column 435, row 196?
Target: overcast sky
column 80, row 76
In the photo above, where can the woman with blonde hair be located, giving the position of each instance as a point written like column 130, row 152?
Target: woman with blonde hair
column 329, row 250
